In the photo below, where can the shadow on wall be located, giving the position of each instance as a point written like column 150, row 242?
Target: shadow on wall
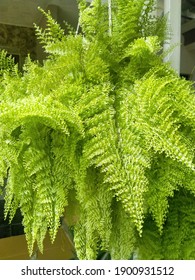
column 7, row 229
column 13, row 244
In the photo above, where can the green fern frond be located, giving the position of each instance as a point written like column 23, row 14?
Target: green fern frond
column 149, row 246
column 126, row 16
column 179, row 229
column 52, row 33
column 122, row 241
column 165, row 135
column 99, row 13
column 18, row 113
column 7, row 64
column 103, row 131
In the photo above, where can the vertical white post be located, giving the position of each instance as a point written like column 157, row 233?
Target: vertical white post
column 173, row 9
column 110, row 16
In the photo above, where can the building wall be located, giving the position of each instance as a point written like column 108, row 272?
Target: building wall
column 19, row 41
column 187, row 61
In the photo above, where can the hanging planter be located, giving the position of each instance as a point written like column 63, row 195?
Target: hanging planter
column 105, row 130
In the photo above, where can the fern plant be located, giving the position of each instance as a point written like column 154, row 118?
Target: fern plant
column 103, row 133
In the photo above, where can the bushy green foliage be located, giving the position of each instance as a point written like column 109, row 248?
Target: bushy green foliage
column 102, row 132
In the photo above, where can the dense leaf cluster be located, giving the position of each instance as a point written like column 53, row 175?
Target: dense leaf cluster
column 102, row 132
